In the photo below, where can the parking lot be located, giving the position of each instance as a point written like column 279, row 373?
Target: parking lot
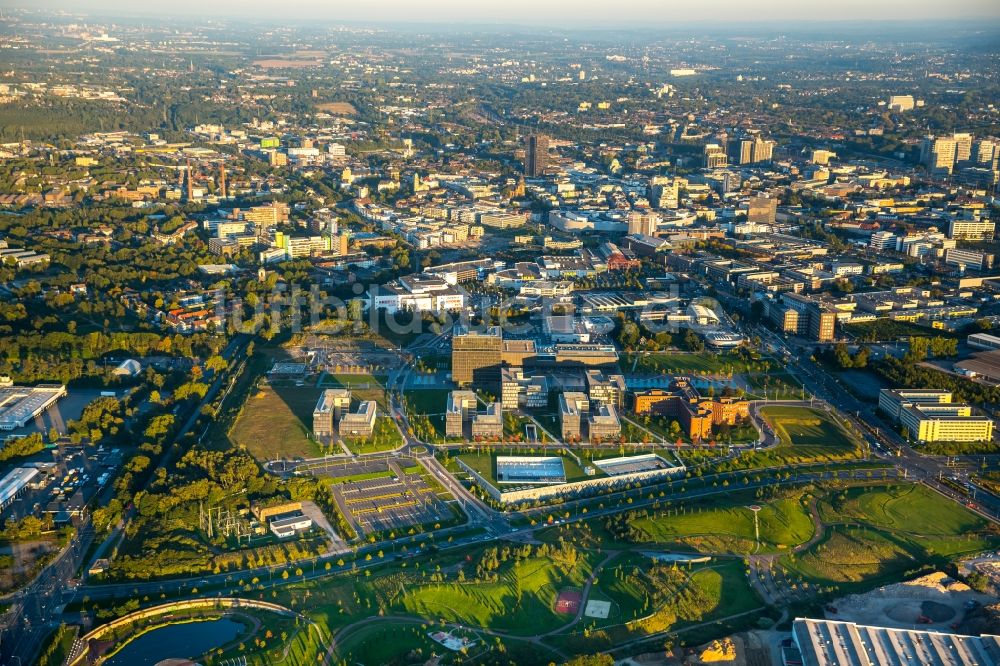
column 400, row 500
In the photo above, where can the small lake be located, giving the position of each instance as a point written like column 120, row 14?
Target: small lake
column 186, row 641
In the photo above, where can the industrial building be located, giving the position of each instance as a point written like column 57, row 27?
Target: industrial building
column 834, row 643
column 19, row 405
column 14, row 483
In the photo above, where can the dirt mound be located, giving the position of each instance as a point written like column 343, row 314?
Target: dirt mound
column 906, row 612
column 937, row 612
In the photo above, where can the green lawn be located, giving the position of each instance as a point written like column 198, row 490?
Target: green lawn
column 520, row 602
column 388, row 644
column 385, row 438
column 277, row 422
column 909, row 508
column 807, row 435
column 688, row 595
column 363, row 387
column 783, row 524
column 703, row 363
column 427, row 401
column 878, row 532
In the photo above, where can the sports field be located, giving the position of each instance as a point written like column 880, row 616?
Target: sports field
column 486, row 465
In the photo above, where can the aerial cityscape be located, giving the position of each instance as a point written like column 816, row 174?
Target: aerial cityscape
column 462, row 334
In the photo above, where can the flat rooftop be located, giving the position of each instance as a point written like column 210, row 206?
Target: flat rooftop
column 530, row 470
column 20, row 404
column 832, row 643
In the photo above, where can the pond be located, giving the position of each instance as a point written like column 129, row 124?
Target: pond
column 189, row 640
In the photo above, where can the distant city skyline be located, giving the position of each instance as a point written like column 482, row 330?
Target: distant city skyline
column 551, row 12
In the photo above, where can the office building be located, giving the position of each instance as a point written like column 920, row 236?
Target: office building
column 762, row 210
column 697, row 415
column 461, row 404
column 602, row 422
column 536, row 155
column 520, row 390
column 606, row 389
column 750, row 150
column 487, row 425
column 901, row 103
column 931, row 416
column 971, row 229
column 463, row 409
column 643, row 222
column 329, row 408
column 360, row 423
column 715, row 156
column 476, row 356
column 573, row 408
column 943, row 153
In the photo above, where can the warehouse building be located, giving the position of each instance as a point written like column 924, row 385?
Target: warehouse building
column 833, row 643
column 19, row 405
column 14, row 483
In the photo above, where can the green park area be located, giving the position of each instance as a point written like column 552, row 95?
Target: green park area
column 425, row 410
column 865, row 534
column 649, row 597
column 386, row 437
column 363, row 387
column 724, row 528
column 807, row 435
column 877, row 532
column 694, row 363
column 518, row 596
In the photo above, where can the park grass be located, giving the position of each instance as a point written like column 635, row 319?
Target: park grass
column 852, row 555
column 909, row 508
column 807, row 435
column 427, row 401
column 881, row 532
column 701, row 363
column 395, row 643
column 366, row 476
column 276, row 423
column 363, row 387
column 783, row 524
column 713, row 591
column 521, row 602
column 386, row 437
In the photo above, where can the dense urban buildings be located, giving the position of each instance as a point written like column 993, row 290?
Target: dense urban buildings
column 570, row 343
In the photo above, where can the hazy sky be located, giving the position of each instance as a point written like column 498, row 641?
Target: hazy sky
column 553, row 12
